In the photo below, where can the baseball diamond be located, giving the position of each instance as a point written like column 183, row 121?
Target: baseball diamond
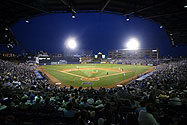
column 101, row 75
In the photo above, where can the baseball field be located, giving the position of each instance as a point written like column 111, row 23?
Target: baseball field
column 93, row 75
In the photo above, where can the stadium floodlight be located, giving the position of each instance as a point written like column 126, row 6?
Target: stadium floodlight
column 127, row 18
column 132, row 44
column 73, row 15
column 161, row 26
column 27, row 19
column 71, row 43
column 185, row 6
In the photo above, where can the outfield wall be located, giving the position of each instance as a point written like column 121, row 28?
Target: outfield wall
column 73, row 63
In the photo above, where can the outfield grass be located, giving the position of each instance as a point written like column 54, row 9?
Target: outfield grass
column 105, row 81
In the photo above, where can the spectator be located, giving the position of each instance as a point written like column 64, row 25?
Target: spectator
column 146, row 118
column 69, row 112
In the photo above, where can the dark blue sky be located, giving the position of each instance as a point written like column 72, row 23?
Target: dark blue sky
column 93, row 31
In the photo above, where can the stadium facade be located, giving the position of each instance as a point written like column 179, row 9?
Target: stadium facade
column 140, row 53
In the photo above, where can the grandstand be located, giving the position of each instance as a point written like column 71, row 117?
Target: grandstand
column 32, row 99
column 29, row 96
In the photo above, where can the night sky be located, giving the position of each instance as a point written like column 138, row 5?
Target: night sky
column 94, row 31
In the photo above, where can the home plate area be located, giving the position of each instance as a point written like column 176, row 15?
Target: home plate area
column 89, row 79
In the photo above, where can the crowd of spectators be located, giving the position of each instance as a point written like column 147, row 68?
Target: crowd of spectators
column 134, row 61
column 161, row 98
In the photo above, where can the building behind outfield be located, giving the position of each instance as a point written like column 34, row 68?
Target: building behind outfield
column 140, row 53
column 78, row 53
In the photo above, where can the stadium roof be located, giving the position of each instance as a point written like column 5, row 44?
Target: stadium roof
column 170, row 14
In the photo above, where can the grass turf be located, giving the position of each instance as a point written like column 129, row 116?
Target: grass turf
column 105, row 81
column 89, row 73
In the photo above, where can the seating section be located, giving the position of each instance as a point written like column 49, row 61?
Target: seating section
column 159, row 98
